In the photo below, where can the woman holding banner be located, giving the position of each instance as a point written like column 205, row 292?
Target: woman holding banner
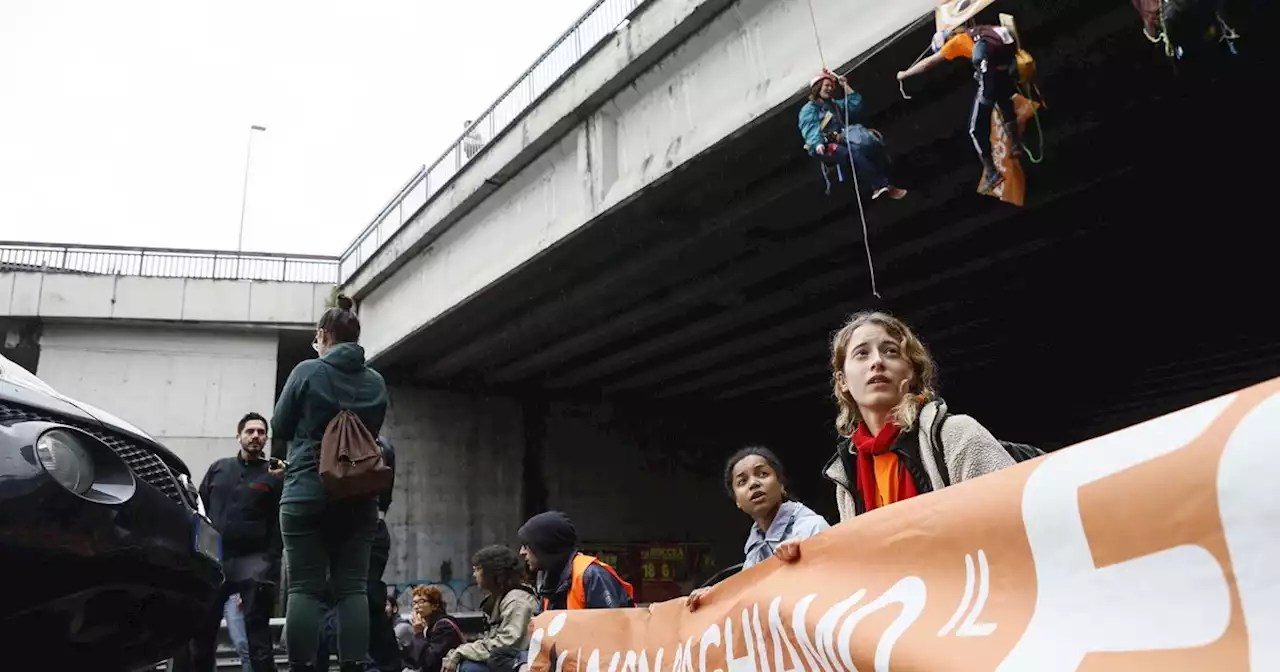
column 757, row 484
column 882, row 379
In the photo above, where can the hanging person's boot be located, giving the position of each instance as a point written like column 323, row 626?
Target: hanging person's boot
column 353, row 666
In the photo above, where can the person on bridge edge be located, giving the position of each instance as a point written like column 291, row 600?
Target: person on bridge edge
column 994, row 52
column 567, row 579
column 242, row 493
column 829, row 138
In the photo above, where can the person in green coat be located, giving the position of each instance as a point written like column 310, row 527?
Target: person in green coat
column 327, row 543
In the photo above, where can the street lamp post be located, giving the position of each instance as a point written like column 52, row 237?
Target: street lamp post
column 244, row 194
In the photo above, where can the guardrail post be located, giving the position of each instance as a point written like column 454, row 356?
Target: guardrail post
column 142, row 263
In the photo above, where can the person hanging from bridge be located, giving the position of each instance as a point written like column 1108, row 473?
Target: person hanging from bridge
column 993, row 51
column 829, row 135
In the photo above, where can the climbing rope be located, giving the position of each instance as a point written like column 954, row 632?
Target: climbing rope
column 1035, row 116
column 853, row 169
column 901, row 84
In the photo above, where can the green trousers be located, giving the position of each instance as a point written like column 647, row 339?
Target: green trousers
column 326, row 546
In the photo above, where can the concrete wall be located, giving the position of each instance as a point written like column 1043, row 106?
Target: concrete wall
column 458, row 480
column 747, row 62
column 186, row 387
column 641, row 477
column 623, row 476
column 123, row 297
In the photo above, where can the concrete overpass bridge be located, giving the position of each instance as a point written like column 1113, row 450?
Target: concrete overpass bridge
column 181, row 343
column 639, row 270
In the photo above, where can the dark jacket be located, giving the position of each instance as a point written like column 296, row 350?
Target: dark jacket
column 243, row 499
column 554, row 540
column 316, row 390
column 431, row 646
column 388, row 457
column 603, row 591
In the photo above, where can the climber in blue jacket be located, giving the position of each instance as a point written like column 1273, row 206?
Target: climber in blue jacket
column 829, row 139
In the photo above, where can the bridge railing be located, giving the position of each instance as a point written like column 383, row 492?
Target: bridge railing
column 600, row 21
column 166, row 262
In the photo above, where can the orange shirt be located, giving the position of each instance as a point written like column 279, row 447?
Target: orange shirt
column 960, row 46
column 886, row 478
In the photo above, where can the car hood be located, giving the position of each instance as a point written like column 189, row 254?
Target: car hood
column 32, row 391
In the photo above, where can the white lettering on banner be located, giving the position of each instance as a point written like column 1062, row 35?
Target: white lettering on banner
column 762, row 660
column 710, row 637
column 823, row 656
column 1171, row 599
column 910, row 592
column 971, row 626
column 1249, row 505
column 780, row 639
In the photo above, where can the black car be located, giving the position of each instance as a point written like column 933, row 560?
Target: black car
column 106, row 559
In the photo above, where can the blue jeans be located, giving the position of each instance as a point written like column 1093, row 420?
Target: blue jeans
column 235, row 629
column 869, row 157
column 472, row 666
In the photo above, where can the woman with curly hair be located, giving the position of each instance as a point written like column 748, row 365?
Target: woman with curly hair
column 435, row 634
column 883, row 380
column 500, row 574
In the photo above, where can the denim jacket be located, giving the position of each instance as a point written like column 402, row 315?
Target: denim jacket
column 794, row 521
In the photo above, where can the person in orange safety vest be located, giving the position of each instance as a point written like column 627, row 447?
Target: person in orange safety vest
column 567, row 579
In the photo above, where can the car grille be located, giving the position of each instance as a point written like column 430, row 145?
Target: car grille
column 144, row 463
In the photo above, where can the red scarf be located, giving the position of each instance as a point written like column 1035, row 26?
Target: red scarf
column 867, row 448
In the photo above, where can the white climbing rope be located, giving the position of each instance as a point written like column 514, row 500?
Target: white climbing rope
column 857, row 191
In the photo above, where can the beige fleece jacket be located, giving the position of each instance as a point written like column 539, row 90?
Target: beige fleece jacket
column 508, row 626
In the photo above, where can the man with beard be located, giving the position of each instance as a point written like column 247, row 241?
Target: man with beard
column 241, row 494
column 568, row 579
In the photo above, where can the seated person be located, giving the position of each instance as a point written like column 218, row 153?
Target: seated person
column 498, row 572
column 568, row 579
column 435, row 634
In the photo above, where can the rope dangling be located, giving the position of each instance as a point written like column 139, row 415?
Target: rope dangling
column 853, row 169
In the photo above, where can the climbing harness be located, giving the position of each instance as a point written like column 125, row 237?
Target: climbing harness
column 1025, row 69
column 853, row 169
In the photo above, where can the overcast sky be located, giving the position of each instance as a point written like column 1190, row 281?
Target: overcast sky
column 126, row 122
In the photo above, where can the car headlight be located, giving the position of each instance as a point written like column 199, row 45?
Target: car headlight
column 64, row 456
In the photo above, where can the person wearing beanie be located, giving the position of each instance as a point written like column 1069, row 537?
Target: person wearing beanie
column 567, row 579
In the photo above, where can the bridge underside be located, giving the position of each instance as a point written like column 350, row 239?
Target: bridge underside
column 1131, row 284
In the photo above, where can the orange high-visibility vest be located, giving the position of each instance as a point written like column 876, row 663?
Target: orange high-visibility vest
column 577, row 593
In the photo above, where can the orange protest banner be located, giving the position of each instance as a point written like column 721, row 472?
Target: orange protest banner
column 1151, row 548
column 1014, row 188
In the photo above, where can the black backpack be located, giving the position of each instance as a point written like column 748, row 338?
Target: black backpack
column 1020, row 452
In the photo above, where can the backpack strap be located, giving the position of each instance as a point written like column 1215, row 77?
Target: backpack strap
column 452, row 624
column 844, row 450
column 935, row 442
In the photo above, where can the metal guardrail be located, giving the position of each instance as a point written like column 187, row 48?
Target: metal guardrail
column 161, row 262
column 600, row 21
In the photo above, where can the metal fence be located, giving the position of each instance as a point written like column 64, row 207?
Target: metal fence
column 600, row 21
column 166, row 263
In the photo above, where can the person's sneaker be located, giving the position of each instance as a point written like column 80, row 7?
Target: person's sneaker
column 893, row 192
column 994, row 178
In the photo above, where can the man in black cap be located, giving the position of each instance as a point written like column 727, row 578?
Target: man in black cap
column 568, row 579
